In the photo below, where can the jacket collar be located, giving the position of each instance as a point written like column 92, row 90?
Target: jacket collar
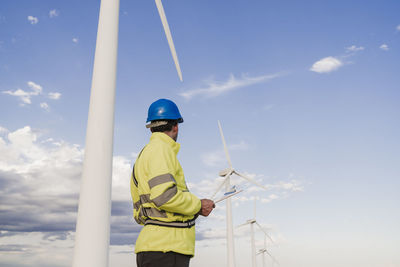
column 166, row 139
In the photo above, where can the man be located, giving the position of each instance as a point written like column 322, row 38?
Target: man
column 161, row 199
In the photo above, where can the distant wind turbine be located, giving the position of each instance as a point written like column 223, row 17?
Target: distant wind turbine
column 264, row 250
column 93, row 222
column 229, row 189
column 251, row 222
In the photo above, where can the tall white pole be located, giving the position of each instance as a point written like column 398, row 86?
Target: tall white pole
column 93, row 223
column 229, row 228
column 253, row 242
column 253, row 246
column 263, row 259
column 265, row 247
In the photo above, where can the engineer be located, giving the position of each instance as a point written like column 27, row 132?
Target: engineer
column 161, row 199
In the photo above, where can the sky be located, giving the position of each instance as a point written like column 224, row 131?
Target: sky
column 306, row 92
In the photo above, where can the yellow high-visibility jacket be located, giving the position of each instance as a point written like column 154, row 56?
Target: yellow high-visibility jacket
column 159, row 193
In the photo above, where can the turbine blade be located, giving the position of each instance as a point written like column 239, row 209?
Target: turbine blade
column 243, row 224
column 262, row 229
column 220, row 186
column 255, row 201
column 225, row 147
column 265, row 232
column 251, row 180
column 169, row 37
column 272, row 257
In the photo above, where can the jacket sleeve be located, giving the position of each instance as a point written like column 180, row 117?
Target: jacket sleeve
column 164, row 190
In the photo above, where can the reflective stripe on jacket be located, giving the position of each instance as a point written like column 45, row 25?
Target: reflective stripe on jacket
column 159, row 192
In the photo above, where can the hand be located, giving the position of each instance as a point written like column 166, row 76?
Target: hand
column 207, row 205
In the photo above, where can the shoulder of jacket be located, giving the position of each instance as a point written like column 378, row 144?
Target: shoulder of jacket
column 157, row 146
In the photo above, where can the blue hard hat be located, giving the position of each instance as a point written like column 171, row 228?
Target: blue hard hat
column 164, row 109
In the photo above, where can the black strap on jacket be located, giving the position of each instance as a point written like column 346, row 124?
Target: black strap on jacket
column 133, row 169
column 187, row 224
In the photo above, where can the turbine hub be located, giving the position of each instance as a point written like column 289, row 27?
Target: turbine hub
column 225, row 172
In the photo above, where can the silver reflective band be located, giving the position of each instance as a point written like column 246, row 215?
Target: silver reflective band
column 166, row 196
column 153, row 212
column 187, row 224
column 161, row 179
column 142, row 199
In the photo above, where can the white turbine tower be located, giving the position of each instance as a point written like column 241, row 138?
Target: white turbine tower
column 229, row 224
column 93, row 222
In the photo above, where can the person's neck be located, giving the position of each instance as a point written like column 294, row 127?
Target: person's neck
column 170, row 134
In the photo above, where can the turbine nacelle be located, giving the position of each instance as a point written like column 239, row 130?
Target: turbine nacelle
column 226, row 172
column 260, row 251
column 251, row 221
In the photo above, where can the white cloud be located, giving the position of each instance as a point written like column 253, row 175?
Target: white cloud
column 3, row 130
column 265, row 200
column 37, row 89
column 278, row 191
column 398, row 28
column 203, row 187
column 121, row 178
column 53, row 13
column 45, row 106
column 75, row 40
column 214, row 88
column 291, row 186
column 33, row 20
column 327, row 64
column 54, row 95
column 354, row 48
column 25, row 96
column 384, row 47
column 273, row 196
column 42, row 176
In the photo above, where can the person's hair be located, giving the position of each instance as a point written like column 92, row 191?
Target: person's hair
column 164, row 128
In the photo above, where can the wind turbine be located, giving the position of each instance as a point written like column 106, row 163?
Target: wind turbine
column 251, row 222
column 264, row 249
column 92, row 236
column 228, row 189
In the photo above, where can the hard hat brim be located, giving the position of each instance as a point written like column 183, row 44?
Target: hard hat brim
column 160, row 123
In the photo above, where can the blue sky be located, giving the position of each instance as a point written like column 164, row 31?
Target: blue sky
column 306, row 91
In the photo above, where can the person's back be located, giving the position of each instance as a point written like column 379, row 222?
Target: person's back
column 162, row 201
